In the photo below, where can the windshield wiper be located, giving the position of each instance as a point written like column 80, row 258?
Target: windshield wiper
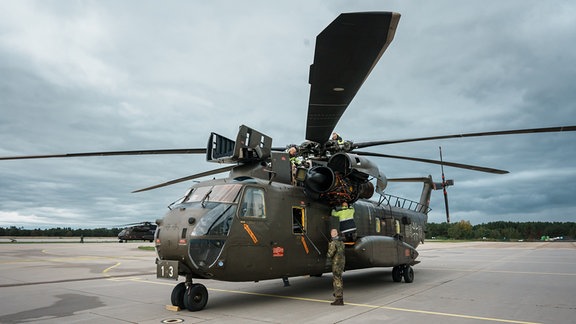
column 206, row 197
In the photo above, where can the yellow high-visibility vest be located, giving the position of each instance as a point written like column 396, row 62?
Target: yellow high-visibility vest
column 344, row 213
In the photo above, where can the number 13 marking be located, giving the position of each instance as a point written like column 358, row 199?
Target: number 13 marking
column 170, row 273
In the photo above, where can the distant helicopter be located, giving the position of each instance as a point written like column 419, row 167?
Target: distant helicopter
column 270, row 219
column 143, row 231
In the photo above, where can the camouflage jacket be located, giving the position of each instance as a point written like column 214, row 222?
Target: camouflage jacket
column 336, row 253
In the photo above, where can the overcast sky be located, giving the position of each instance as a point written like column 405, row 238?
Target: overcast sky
column 82, row 76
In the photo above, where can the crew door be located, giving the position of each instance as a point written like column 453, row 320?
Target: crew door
column 251, row 250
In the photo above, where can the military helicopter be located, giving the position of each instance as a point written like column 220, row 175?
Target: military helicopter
column 270, row 218
column 143, row 231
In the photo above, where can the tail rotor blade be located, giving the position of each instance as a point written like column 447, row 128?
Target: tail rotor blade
column 444, row 185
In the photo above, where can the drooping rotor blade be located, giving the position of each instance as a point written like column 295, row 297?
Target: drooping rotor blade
column 452, row 164
column 346, row 51
column 110, row 153
column 504, row 132
column 191, row 177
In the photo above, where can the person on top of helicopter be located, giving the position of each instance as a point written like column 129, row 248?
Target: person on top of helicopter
column 295, row 158
column 337, row 138
column 337, row 143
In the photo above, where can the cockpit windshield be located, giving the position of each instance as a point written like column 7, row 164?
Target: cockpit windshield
column 226, row 193
column 219, row 204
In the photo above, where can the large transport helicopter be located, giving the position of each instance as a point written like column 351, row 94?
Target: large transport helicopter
column 270, row 220
column 143, row 231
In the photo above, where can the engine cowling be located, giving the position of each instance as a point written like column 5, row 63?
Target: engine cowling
column 319, row 180
column 345, row 178
column 358, row 167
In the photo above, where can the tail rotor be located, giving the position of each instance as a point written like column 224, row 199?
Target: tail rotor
column 444, row 185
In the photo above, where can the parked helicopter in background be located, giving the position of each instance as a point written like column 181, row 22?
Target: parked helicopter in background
column 143, row 231
column 269, row 219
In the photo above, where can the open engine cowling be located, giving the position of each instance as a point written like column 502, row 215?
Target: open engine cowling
column 345, row 178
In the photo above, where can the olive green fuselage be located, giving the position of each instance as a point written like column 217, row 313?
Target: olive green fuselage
column 248, row 229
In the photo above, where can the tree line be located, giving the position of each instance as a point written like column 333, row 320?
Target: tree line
column 529, row 231
column 60, row 232
column 462, row 230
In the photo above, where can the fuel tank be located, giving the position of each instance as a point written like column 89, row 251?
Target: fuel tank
column 382, row 251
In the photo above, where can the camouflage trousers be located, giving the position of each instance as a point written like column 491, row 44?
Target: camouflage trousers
column 337, row 282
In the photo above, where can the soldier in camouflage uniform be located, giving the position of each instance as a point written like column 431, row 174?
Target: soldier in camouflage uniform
column 336, row 253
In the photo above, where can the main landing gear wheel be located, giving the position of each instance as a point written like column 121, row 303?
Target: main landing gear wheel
column 408, row 274
column 403, row 271
column 397, row 274
column 195, row 297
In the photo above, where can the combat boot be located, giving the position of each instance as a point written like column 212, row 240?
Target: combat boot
column 338, row 302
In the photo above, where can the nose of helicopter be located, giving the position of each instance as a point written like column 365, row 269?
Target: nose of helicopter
column 194, row 236
column 170, row 238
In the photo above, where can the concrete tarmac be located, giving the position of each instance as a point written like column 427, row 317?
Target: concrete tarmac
column 471, row 282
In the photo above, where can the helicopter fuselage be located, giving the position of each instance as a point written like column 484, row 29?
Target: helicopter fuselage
column 249, row 229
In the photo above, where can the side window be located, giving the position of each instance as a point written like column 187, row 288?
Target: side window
column 298, row 220
column 253, row 203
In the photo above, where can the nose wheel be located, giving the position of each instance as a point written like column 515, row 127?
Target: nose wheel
column 403, row 271
column 191, row 296
column 177, row 297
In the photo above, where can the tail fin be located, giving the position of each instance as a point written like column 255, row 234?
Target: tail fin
column 429, row 185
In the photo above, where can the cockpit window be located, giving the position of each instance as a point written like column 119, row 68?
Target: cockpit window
column 216, row 221
column 226, row 193
column 253, row 203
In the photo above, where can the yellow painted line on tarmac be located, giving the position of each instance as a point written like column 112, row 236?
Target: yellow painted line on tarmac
column 110, row 268
column 381, row 307
column 407, row 310
column 480, row 318
column 503, row 271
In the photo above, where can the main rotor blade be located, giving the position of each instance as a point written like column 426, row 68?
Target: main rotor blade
column 504, row 132
column 192, row 177
column 416, row 179
column 110, row 153
column 346, row 51
column 131, row 224
column 452, row 164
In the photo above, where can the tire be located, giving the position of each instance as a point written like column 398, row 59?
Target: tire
column 177, row 297
column 196, row 297
column 408, row 274
column 397, row 274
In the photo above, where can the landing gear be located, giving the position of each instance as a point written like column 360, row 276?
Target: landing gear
column 397, row 274
column 191, row 296
column 195, row 297
column 408, row 274
column 403, row 271
column 177, row 297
